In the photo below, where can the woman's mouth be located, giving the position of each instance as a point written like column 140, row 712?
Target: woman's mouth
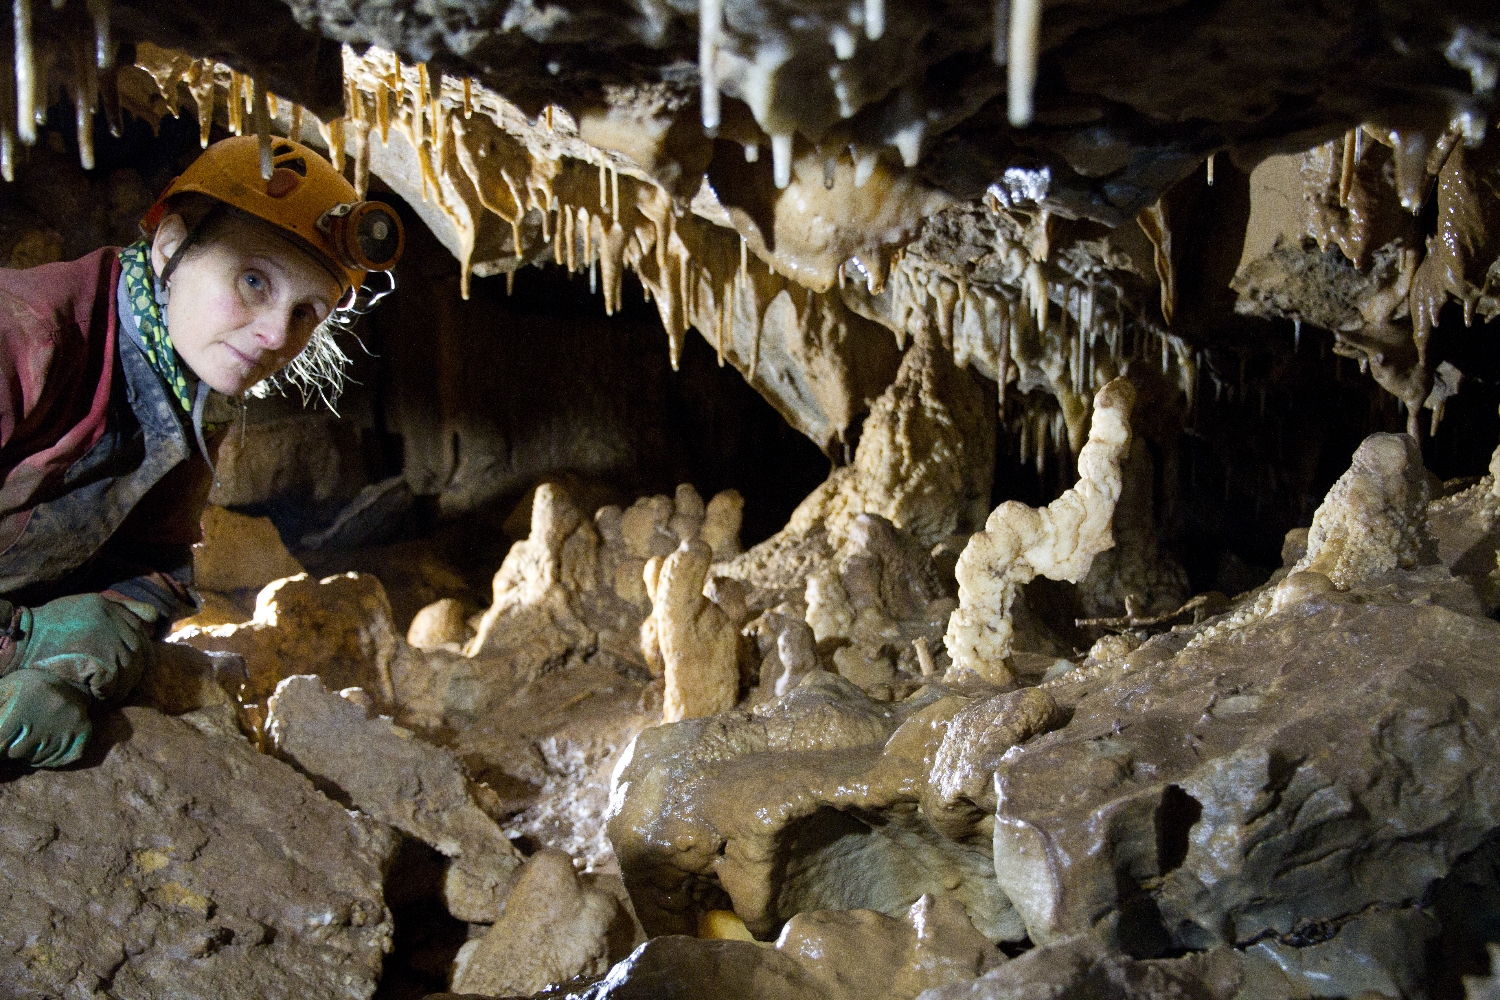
column 246, row 361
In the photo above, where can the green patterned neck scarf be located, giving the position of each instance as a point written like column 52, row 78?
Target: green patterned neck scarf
column 140, row 281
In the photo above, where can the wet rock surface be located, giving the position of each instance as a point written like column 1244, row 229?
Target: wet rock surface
column 177, row 861
column 391, row 776
column 1254, row 778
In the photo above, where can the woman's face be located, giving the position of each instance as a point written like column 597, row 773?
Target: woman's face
column 242, row 305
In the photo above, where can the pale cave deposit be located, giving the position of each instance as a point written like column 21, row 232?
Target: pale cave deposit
column 845, row 501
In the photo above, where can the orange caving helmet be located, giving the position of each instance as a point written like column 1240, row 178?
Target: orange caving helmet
column 305, row 197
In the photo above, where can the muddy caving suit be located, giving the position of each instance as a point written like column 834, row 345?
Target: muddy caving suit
column 102, row 484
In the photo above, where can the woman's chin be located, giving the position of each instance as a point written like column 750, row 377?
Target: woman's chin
column 230, row 382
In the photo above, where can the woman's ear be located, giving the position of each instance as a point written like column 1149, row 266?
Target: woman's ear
column 170, row 233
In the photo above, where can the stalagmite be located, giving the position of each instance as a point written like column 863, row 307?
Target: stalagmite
column 1023, row 51
column 698, row 643
column 1020, row 543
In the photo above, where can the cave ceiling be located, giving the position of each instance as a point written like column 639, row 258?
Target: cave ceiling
column 1033, row 184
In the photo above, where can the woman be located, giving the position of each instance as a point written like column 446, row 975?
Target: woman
column 113, row 370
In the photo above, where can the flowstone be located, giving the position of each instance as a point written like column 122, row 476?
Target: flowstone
column 813, row 802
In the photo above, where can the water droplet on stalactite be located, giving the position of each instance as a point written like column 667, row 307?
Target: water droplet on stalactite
column 781, row 159
column 1023, row 51
column 752, row 152
column 1296, row 334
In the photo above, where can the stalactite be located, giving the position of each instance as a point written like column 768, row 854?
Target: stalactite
column 7, row 122
column 236, row 107
column 781, row 159
column 1023, row 51
column 85, row 88
column 26, row 81
column 709, row 18
column 263, row 129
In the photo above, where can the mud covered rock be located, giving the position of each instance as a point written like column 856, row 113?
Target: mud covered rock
column 390, row 774
column 554, row 929
column 859, row 955
column 338, row 628
column 176, row 861
column 1258, row 772
column 238, row 552
column 1086, row 969
column 812, row 803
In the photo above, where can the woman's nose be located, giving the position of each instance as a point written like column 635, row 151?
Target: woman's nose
column 273, row 328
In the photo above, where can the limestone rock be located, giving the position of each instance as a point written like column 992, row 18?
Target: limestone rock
column 699, row 645
column 177, row 862
column 1374, row 518
column 182, row 679
column 397, row 778
column 554, row 929
column 978, row 737
column 1225, row 782
column 1485, row 987
column 861, row 955
column 1379, row 953
column 239, row 552
column 443, row 624
column 1083, row 968
column 721, row 524
column 811, row 803
column 1059, row 542
column 312, row 456
column 1466, row 530
column 338, row 628
column 675, row 967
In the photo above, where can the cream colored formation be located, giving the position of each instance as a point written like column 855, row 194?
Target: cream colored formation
column 1019, row 543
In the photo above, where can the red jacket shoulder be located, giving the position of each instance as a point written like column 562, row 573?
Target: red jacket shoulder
column 57, row 352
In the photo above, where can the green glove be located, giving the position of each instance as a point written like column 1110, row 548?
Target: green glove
column 98, row 645
column 43, row 722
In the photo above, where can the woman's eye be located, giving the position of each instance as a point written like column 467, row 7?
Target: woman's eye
column 256, row 282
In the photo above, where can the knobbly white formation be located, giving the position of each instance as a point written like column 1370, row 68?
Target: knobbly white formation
column 1058, row 541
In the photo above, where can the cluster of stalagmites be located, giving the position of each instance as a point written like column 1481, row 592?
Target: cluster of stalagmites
column 847, row 762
